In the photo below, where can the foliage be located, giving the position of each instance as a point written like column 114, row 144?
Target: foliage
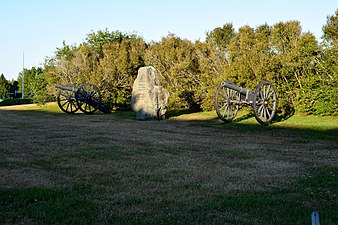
column 109, row 60
column 303, row 71
column 39, row 85
column 293, row 61
column 4, row 86
column 177, row 64
column 118, row 68
column 7, row 88
column 319, row 94
column 15, row 101
column 330, row 29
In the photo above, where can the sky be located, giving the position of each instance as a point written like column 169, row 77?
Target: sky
column 31, row 30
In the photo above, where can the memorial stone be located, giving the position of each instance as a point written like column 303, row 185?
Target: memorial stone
column 149, row 100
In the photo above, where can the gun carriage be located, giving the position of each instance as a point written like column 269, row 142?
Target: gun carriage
column 87, row 98
column 229, row 97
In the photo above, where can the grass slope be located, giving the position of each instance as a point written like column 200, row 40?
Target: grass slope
column 190, row 169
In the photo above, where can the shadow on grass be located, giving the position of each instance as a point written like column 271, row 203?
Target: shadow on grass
column 316, row 127
column 175, row 113
column 244, row 117
column 310, row 126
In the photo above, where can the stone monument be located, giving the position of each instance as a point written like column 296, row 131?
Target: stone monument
column 149, row 100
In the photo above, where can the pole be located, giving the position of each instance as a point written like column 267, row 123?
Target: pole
column 315, row 218
column 23, row 75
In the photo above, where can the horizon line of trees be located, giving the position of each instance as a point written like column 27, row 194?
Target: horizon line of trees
column 304, row 71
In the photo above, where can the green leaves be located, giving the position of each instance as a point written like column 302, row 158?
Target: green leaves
column 292, row 60
column 303, row 71
column 177, row 63
column 331, row 28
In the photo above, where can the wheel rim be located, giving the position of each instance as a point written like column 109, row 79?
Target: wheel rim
column 226, row 103
column 88, row 98
column 265, row 102
column 66, row 101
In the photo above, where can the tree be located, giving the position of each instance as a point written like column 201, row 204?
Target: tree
column 330, row 29
column 29, row 79
column 108, row 59
column 118, row 68
column 294, row 54
column 303, row 72
column 4, row 87
column 319, row 86
column 322, row 88
column 211, row 73
column 13, row 86
column 177, row 64
column 39, row 89
column 221, row 37
column 98, row 39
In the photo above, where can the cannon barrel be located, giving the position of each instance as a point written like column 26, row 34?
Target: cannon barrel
column 66, row 88
column 236, row 88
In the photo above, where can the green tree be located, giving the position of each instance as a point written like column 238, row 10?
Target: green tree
column 39, row 89
column 98, row 39
column 66, row 51
column 108, row 59
column 29, row 79
column 320, row 95
column 13, row 86
column 213, row 56
column 221, row 37
column 212, row 71
column 314, row 69
column 294, row 54
column 330, row 45
column 281, row 54
column 303, row 72
column 330, row 29
column 118, row 70
column 177, row 63
column 4, row 87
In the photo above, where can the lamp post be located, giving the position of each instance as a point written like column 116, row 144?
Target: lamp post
column 23, row 75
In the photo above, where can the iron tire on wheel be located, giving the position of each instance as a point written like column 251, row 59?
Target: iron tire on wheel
column 67, row 101
column 88, row 98
column 265, row 102
column 226, row 103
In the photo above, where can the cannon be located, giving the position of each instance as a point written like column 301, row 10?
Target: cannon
column 263, row 100
column 87, row 98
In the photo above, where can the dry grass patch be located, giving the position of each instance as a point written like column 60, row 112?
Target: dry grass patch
column 171, row 171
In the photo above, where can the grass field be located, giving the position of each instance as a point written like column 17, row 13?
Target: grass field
column 189, row 169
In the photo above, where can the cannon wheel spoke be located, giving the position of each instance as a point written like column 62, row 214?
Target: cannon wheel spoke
column 265, row 103
column 88, row 98
column 226, row 103
column 66, row 101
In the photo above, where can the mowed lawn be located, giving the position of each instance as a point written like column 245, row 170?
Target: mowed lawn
column 189, row 169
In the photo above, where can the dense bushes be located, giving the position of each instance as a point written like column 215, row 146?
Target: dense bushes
column 109, row 60
column 15, row 101
column 303, row 70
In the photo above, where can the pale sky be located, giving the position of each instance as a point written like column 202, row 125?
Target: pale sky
column 38, row 27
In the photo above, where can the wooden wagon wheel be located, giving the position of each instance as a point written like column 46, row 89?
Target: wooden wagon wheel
column 66, row 100
column 265, row 102
column 226, row 103
column 88, row 98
